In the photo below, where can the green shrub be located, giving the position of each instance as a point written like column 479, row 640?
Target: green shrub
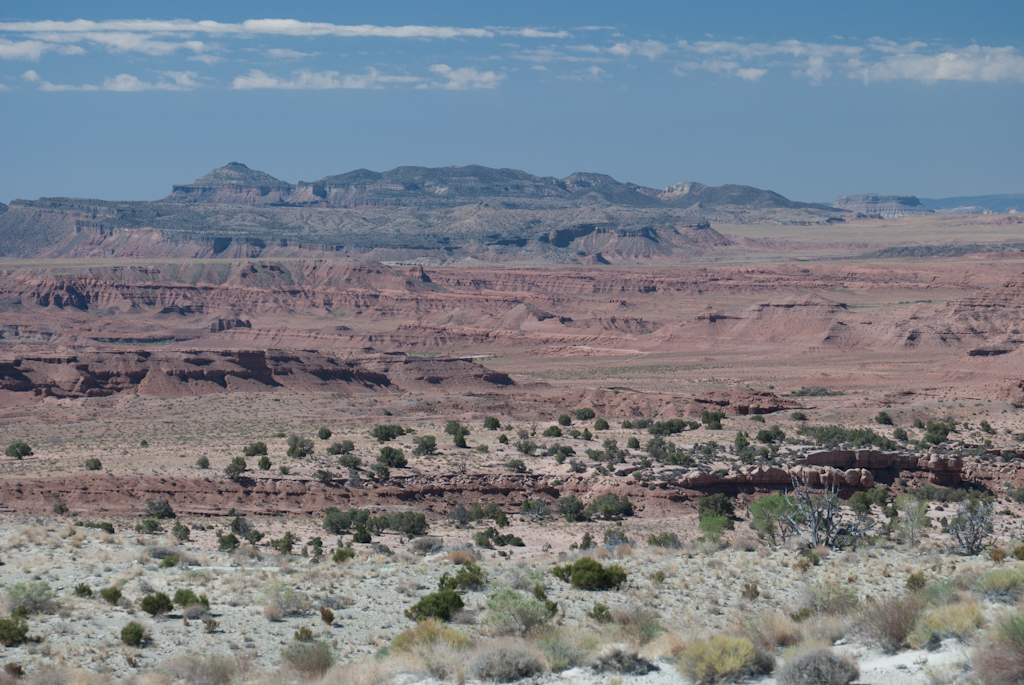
column 718, row 504
column 491, row 423
column 312, row 659
column 35, row 595
column 324, row 433
column 564, row 420
column 254, row 449
column 425, row 444
column 469, row 577
column 1001, row 582
column 600, row 613
column 392, row 457
column 19, row 450
column 133, row 634
column 111, row 595
column 916, row 581
column 387, row 432
column 159, row 508
column 235, row 469
column 13, row 631
column 588, row 574
column 503, row 439
column 714, row 526
column 299, row 447
column 601, row 425
column 720, row 658
column 585, row 414
column 440, row 605
column 185, row 597
column 883, row 419
column 203, row 462
column 552, row 432
column 508, row 610
column 798, row 416
column 343, row 447
column 156, row 603
column 83, row 590
column 227, row 543
column 516, row 466
column 170, row 561
column 572, row 509
column 93, row 464
column 264, row 463
column 108, row 527
column 900, row 435
column 285, row 544
column 350, row 461
column 609, row 506
column 343, row 554
column 668, row 540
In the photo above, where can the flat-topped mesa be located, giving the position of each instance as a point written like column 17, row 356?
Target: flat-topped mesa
column 234, row 183
column 942, row 469
column 886, row 206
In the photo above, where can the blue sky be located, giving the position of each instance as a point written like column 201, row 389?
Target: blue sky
column 119, row 100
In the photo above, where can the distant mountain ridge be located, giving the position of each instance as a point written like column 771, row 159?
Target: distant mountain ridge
column 887, row 206
column 430, row 188
column 408, row 214
column 1012, row 203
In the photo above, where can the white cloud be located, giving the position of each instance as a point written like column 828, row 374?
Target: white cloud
column 30, row 76
column 25, row 49
column 466, row 78
column 126, row 83
column 751, row 74
column 647, row 48
column 205, row 59
column 284, row 53
column 538, row 67
column 593, row 73
column 535, row 33
column 973, row 63
column 323, row 80
column 3, row 87
column 280, row 27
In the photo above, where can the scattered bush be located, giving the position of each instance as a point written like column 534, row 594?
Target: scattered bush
column 889, row 621
column 720, row 658
column 254, row 449
column 425, row 444
column 564, row 420
column 491, row 423
column 818, row 667
column 13, row 631
column 511, row 611
column 133, row 634
column 235, row 469
column 916, row 581
column 156, row 603
column 585, row 414
column 506, row 662
column 439, row 605
column 1003, row 582
column 429, row 633
column 111, row 595
column 299, row 447
column 185, row 598
column 35, row 596
column 564, row 648
column 93, row 464
column 831, row 597
column 19, row 450
column 588, row 574
column 392, row 457
column 312, row 659
column 516, row 466
column 159, row 508
column 326, row 615
column 103, row 525
column 83, row 590
column 798, row 416
column 609, row 506
column 343, row 554
column 387, row 432
column 883, row 419
column 601, row 425
column 956, row 619
column 572, row 509
column 324, row 433
column 552, row 432
column 469, row 577
column 203, row 462
column 718, row 504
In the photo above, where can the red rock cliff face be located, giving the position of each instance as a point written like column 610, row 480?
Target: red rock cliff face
column 176, row 373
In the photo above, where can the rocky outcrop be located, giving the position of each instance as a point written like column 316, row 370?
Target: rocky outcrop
column 176, row 373
column 740, row 402
column 886, row 206
column 941, row 469
column 233, row 184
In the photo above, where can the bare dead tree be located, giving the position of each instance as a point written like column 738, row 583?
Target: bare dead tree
column 971, row 528
column 818, row 516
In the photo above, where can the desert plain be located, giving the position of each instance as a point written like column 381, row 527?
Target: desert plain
column 625, row 409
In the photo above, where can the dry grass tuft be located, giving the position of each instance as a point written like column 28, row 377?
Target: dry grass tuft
column 460, row 556
column 819, row 667
column 506, row 661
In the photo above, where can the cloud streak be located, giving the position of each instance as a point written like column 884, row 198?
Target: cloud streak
column 313, row 80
